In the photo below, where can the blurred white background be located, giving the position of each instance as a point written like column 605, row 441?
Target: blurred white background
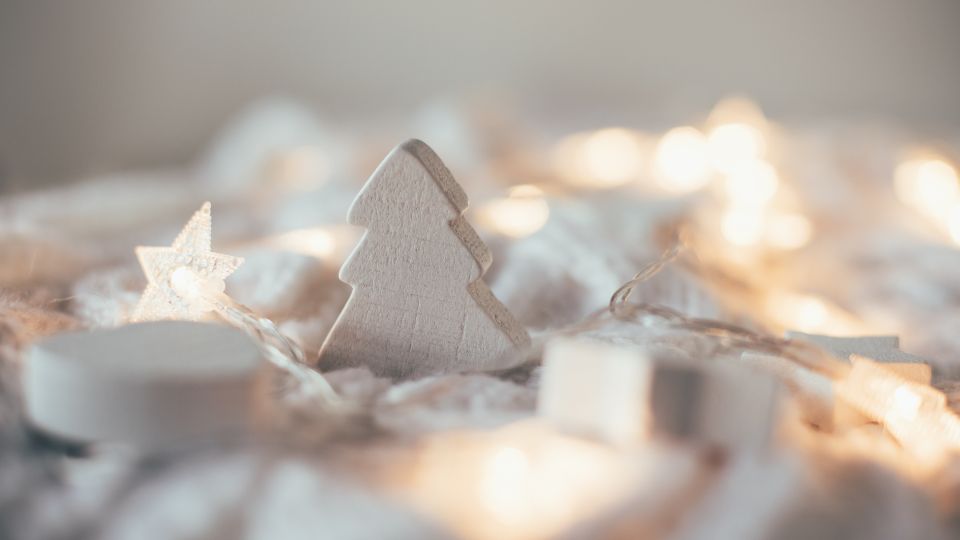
column 102, row 85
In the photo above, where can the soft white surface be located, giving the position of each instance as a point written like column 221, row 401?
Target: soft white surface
column 320, row 476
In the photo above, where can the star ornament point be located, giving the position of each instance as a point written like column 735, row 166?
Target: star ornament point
column 191, row 250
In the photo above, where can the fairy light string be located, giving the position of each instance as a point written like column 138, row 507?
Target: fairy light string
column 280, row 350
column 916, row 415
column 186, row 281
column 877, row 393
column 728, row 336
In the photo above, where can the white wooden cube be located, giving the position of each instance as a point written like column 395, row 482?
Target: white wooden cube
column 715, row 405
column 595, row 389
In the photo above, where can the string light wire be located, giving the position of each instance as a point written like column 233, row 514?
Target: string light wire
column 916, row 414
column 280, row 350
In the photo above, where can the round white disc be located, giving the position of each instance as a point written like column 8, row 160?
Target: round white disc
column 150, row 384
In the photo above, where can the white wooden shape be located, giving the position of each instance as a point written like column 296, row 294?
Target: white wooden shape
column 419, row 305
column 916, row 414
column 715, row 405
column 153, row 384
column 883, row 349
column 191, row 250
column 595, row 389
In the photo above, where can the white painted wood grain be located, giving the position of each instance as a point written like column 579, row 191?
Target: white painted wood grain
column 419, row 305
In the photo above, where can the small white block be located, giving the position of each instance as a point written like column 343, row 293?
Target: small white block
column 716, row 405
column 154, row 385
column 595, row 389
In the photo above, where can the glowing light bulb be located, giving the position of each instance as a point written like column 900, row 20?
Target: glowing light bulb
column 682, row 161
column 522, row 213
column 742, row 227
column 788, row 231
column 605, row 158
column 906, row 404
column 734, row 144
column 929, row 185
column 196, row 290
column 751, row 183
column 185, row 282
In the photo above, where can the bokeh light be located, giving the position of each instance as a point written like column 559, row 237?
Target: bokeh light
column 522, row 213
column 797, row 311
column 503, row 483
column 751, row 183
column 605, row 158
column 929, row 185
column 682, row 160
column 316, row 242
column 742, row 227
column 738, row 110
column 788, row 231
column 734, row 144
column 953, row 224
column 301, row 167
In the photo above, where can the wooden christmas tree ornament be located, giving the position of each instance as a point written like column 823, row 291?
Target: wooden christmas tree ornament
column 419, row 305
